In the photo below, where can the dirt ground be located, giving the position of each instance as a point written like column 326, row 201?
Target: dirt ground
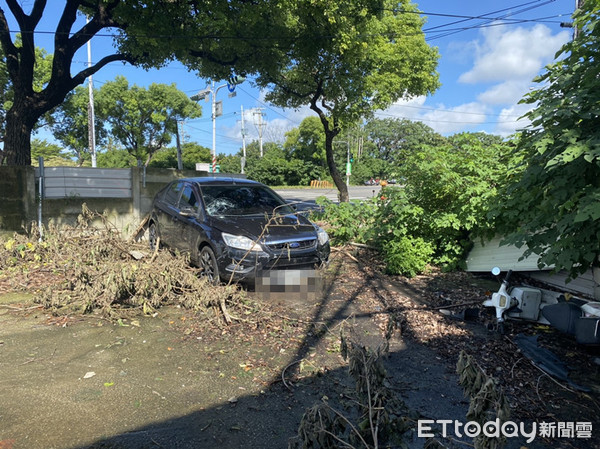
column 171, row 381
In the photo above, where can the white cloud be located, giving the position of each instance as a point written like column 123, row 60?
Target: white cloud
column 509, row 92
column 455, row 119
column 516, row 54
column 274, row 129
column 405, row 109
column 510, row 121
column 445, row 120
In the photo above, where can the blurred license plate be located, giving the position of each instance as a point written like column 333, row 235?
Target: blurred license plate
column 288, row 281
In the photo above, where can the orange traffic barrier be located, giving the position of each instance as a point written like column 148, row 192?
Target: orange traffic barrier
column 321, row 184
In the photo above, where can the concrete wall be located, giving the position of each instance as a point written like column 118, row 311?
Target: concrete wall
column 18, row 206
column 17, row 198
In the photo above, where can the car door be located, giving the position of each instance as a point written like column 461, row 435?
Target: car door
column 168, row 214
column 186, row 224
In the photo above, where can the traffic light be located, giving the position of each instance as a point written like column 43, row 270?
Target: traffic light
column 351, row 158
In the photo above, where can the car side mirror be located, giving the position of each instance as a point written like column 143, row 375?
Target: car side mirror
column 187, row 212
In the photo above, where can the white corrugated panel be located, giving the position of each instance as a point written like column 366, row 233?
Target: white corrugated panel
column 62, row 182
column 582, row 285
column 483, row 257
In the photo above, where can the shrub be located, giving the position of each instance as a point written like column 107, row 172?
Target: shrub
column 407, row 256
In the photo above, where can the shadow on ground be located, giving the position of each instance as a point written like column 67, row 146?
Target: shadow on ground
column 205, row 391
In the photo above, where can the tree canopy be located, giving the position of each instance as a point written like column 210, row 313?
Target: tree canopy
column 143, row 120
column 369, row 54
column 552, row 206
column 393, row 138
column 69, row 125
column 213, row 38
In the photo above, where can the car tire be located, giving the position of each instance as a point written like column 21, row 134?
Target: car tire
column 208, row 265
column 152, row 236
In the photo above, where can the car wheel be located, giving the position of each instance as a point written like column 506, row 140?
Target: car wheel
column 152, row 237
column 208, row 265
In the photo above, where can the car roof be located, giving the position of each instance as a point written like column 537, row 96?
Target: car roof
column 220, row 180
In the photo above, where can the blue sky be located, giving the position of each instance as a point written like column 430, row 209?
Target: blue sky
column 490, row 52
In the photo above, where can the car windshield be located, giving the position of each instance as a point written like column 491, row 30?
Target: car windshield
column 242, row 200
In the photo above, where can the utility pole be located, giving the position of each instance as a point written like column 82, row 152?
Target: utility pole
column 243, row 161
column 259, row 125
column 578, row 5
column 217, row 109
column 91, row 115
column 178, row 140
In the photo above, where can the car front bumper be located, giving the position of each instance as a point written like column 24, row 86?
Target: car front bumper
column 239, row 265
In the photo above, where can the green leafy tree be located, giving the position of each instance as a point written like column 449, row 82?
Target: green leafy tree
column 446, row 198
column 229, row 163
column 552, row 206
column 53, row 154
column 70, row 125
column 269, row 169
column 393, row 138
column 115, row 158
column 191, row 154
column 213, row 38
column 143, row 120
column 277, row 168
column 454, row 186
column 307, row 142
column 368, row 167
column 371, row 53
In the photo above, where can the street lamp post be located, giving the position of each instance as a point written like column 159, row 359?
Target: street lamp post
column 213, row 93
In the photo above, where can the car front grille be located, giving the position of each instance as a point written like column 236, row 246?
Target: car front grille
column 293, row 245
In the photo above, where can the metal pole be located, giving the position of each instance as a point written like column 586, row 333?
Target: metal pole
column 243, row 161
column 41, row 196
column 179, row 158
column 91, row 115
column 259, row 125
column 214, row 128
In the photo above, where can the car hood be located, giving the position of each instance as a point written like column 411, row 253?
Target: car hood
column 284, row 227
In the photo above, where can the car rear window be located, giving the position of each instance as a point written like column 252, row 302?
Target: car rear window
column 242, row 200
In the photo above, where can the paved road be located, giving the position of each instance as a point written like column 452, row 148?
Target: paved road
column 306, row 197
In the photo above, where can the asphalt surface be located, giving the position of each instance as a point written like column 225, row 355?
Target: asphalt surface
column 305, row 198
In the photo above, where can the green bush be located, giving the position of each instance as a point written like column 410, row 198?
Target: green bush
column 349, row 222
column 445, row 198
column 407, row 256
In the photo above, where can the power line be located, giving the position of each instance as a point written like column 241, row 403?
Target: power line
column 487, row 20
column 455, row 112
column 420, row 119
column 463, row 18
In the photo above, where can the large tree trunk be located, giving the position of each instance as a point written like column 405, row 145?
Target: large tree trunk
column 335, row 173
column 331, row 131
column 20, row 120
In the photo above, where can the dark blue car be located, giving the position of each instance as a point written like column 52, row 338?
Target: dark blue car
column 234, row 228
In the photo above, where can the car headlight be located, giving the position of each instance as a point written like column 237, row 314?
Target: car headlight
column 322, row 235
column 241, row 242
